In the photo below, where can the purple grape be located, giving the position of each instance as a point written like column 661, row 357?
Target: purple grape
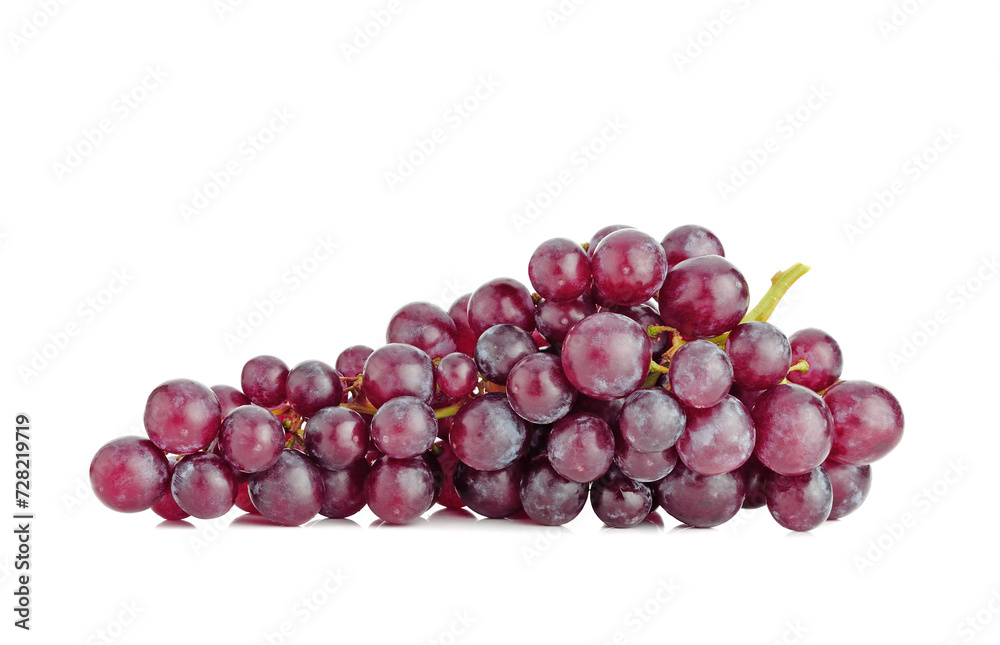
column 499, row 348
column 251, row 439
column 581, row 447
column 465, row 338
column 129, row 474
column 867, row 422
column 651, row 420
column 290, row 492
column 800, row 502
column 629, row 266
column 425, row 326
column 538, row 390
column 700, row 374
column 601, row 234
column 344, row 490
column 645, row 315
column 794, row 429
column 620, row 502
column 229, row 398
column 850, row 487
column 643, row 466
column 166, row 507
column 606, row 356
column 690, row 241
column 182, row 416
column 336, row 437
column 351, row 361
column 494, row 494
column 398, row 370
column 760, row 355
column 549, row 498
column 457, row 375
column 501, row 302
column 701, row 501
column 755, row 477
column 486, row 433
column 404, row 427
column 263, row 381
column 704, row 297
column 746, row 397
column 312, row 386
column 821, row 351
column 555, row 319
column 448, row 462
column 559, row 270
column 399, row 490
column 204, row 486
column 718, row 439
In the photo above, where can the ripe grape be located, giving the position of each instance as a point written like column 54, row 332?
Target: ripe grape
column 465, row 338
column 263, row 381
column 495, row 493
column 760, row 355
column 549, row 498
column 351, row 361
column 850, row 487
column 821, row 351
column 559, row 270
column 704, row 297
column 646, row 315
column 204, row 486
column 538, row 390
column 601, row 234
column 229, row 398
column 700, row 374
column 555, row 319
column 643, row 466
column 867, row 422
column 499, row 348
column 457, row 375
column 718, row 439
column 404, row 427
column 606, row 356
column 651, row 420
column 182, row 416
column 290, row 492
column 336, row 437
column 794, row 429
column 501, row 302
column 690, row 241
column 800, row 502
column 629, row 266
column 701, row 501
column 425, row 326
column 313, row 385
column 251, row 439
column 398, row 370
column 487, row 434
column 581, row 447
column 399, row 490
column 344, row 490
column 129, row 474
column 619, row 501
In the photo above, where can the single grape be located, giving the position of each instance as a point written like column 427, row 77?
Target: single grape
column 618, row 501
column 495, row 493
column 129, row 474
column 559, row 270
column 821, row 351
column 581, row 447
column 398, row 370
column 251, row 439
column 643, row 466
column 204, row 486
column 555, row 319
column 701, row 501
column 704, row 297
column 800, row 502
column 718, row 439
column 760, row 355
column 404, row 427
column 457, row 375
column 794, row 429
column 263, row 381
column 465, row 338
column 182, row 416
column 312, row 386
column 290, row 492
column 399, row 490
column 606, row 356
column 629, row 266
column 755, row 477
column 646, row 315
column 499, row 348
column 867, row 422
column 601, row 234
column 351, row 361
column 501, row 302
column 486, row 433
column 549, row 498
column 651, row 420
column 850, row 487
column 690, row 241
column 336, row 437
column 425, row 326
column 538, row 390
column 229, row 398
column 700, row 374
column 344, row 490
column 166, row 507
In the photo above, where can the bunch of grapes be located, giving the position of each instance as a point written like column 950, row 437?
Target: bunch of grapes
column 636, row 374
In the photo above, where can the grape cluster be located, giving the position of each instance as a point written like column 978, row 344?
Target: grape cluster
column 636, row 375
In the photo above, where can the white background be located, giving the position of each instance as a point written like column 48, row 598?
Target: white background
column 447, row 228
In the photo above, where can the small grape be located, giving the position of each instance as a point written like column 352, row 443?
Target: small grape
column 344, row 490
column 760, row 355
column 204, row 486
column 822, row 353
column 404, row 427
column 867, row 422
column 336, row 437
column 425, row 326
column 457, row 375
column 263, row 381
column 559, row 270
column 549, row 498
column 701, row 501
column 619, row 501
column 501, row 302
column 499, row 348
column 290, row 492
column 629, row 266
column 651, row 420
column 690, row 241
column 800, row 502
column 495, row 493
column 538, row 390
column 313, row 385
column 700, row 374
column 486, row 433
column 850, row 487
column 182, row 416
column 581, row 447
column 251, row 439
column 399, row 490
column 398, row 370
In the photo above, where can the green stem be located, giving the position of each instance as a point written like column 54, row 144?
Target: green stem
column 654, row 331
column 780, row 283
column 801, row 366
column 657, row 368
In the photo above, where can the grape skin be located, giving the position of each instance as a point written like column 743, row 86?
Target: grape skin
column 717, row 440
column 822, row 353
column 800, row 502
column 229, row 398
column 538, row 390
column 487, row 434
column 204, row 486
column 704, row 297
column 501, row 302
column 457, row 375
column 499, row 348
column 404, row 427
column 629, row 266
column 794, row 429
column 129, row 474
column 760, row 355
column 398, row 370
column 549, row 498
column 311, row 386
column 701, row 501
column 555, row 319
column 351, row 361
column 399, row 490
column 619, row 501
column 182, row 416
column 581, row 447
column 495, row 494
column 344, row 490
column 559, row 270
column 867, row 422
column 251, row 439
column 263, row 381
column 425, row 326
column 690, row 241
column 652, row 420
column 336, row 437
column 700, row 374
column 290, row 492
column 606, row 356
